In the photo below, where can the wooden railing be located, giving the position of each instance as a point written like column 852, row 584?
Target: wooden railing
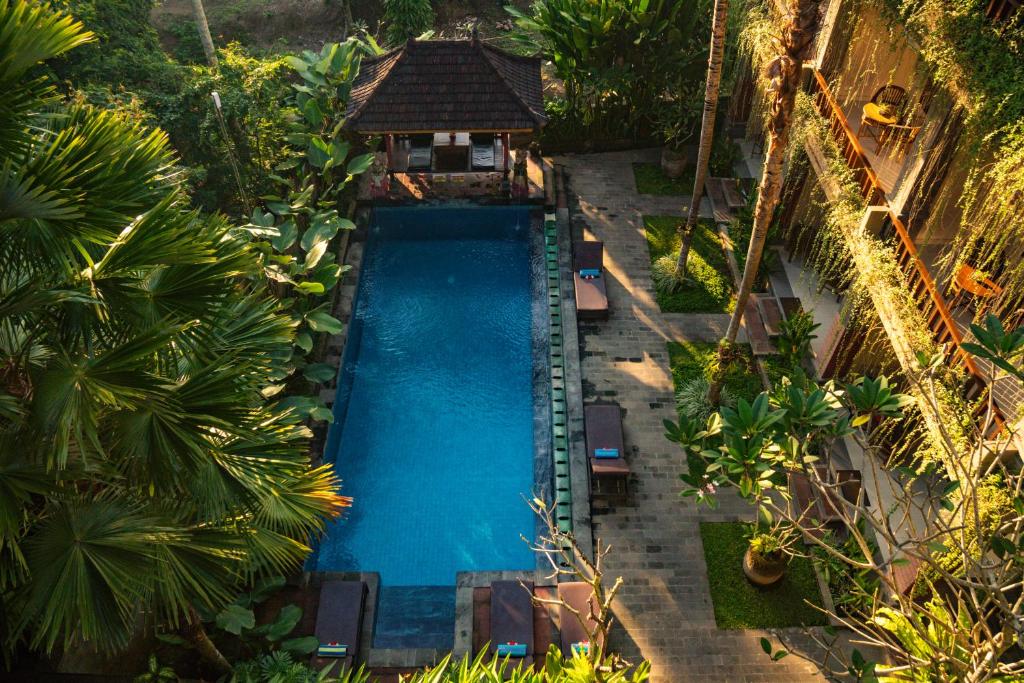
column 849, row 146
column 925, row 292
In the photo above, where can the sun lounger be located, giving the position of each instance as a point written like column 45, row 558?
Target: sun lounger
column 571, row 632
column 339, row 619
column 604, row 436
column 512, row 620
column 591, row 292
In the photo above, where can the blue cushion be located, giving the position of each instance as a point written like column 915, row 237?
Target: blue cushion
column 332, row 650
column 590, row 272
column 606, row 453
column 512, row 649
column 581, row 648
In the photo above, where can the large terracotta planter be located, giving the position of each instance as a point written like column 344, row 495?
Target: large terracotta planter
column 673, row 162
column 763, row 571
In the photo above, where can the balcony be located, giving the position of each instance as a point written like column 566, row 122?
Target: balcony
column 947, row 329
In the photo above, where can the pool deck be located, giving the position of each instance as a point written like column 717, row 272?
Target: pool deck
column 664, row 611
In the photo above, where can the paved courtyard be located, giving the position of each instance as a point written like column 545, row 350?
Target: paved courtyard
column 664, row 611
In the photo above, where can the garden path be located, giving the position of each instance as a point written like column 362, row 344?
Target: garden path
column 664, row 611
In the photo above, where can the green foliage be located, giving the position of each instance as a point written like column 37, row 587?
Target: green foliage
column 986, row 511
column 738, row 603
column 854, row 589
column 404, row 19
column 155, row 673
column 127, row 64
column 142, row 468
column 699, row 359
column 302, row 220
column 598, row 49
column 692, row 398
column 795, row 336
column 709, row 287
column 650, row 179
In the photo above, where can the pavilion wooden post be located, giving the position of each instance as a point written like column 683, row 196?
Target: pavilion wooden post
column 389, row 145
column 505, row 153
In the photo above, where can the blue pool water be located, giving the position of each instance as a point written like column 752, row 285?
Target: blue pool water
column 433, row 434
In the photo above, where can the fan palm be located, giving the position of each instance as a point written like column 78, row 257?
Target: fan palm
column 142, row 471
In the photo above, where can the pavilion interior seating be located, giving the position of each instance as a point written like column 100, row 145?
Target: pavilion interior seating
column 485, row 151
column 420, row 152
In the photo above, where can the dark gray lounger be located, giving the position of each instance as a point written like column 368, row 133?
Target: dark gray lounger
column 571, row 631
column 512, row 616
column 339, row 617
column 604, row 430
column 591, row 294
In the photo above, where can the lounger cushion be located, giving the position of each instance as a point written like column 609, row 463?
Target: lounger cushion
column 571, row 632
column 604, row 432
column 339, row 617
column 511, row 615
column 587, row 255
column 591, row 297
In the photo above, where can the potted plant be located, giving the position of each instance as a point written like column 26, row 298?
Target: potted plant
column 766, row 558
column 676, row 124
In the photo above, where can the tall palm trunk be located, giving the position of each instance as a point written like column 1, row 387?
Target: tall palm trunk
column 707, row 129
column 346, row 18
column 784, row 73
column 195, row 633
column 199, row 15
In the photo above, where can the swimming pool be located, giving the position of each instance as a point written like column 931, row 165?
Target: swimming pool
column 434, row 417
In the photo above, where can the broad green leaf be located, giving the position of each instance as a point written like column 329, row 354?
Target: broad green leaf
column 359, row 164
column 317, row 153
column 235, row 618
column 319, row 372
column 321, row 321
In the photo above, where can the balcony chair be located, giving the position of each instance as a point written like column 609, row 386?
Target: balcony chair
column 884, row 110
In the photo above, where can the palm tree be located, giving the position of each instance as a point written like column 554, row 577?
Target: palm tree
column 784, row 74
column 719, row 22
column 199, row 16
column 142, row 471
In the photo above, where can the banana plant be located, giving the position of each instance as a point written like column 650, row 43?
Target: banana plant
column 298, row 225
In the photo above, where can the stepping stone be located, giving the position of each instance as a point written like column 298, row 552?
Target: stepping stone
column 732, row 193
column 790, row 306
column 719, row 205
column 757, row 336
column 771, row 313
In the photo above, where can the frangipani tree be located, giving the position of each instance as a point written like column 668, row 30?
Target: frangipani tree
column 955, row 528
column 143, row 472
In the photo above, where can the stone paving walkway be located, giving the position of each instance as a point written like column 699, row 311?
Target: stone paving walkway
column 664, row 611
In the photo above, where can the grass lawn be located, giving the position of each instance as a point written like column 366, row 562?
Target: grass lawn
column 710, row 289
column 651, row 180
column 688, row 359
column 738, row 603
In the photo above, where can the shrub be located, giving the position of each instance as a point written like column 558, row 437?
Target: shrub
column 665, row 274
column 692, row 398
column 404, row 19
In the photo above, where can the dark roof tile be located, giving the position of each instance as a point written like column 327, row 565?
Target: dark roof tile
column 446, row 85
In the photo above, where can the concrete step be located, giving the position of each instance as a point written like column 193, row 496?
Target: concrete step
column 731, row 190
column 771, row 313
column 723, row 213
column 757, row 336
